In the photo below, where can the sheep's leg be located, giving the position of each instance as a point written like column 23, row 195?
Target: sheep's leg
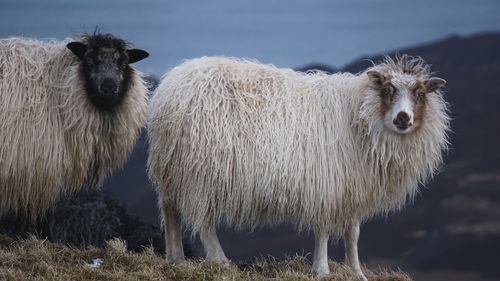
column 21, row 223
column 174, row 253
column 43, row 226
column 351, row 236
column 320, row 258
column 212, row 245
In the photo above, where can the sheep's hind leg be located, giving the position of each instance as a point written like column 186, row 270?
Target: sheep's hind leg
column 174, row 252
column 320, row 258
column 212, row 245
column 351, row 236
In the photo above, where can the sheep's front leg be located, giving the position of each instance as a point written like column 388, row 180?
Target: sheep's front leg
column 320, row 258
column 211, row 244
column 174, row 252
column 351, row 236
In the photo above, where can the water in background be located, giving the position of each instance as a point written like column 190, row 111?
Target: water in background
column 287, row 33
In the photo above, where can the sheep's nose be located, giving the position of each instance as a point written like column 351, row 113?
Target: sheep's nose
column 402, row 120
column 403, row 117
column 108, row 86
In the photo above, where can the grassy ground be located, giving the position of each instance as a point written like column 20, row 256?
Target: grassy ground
column 35, row 259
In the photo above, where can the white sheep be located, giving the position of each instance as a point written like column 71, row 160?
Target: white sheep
column 70, row 113
column 244, row 144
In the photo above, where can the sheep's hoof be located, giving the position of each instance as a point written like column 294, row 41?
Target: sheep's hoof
column 320, row 270
column 219, row 259
column 362, row 276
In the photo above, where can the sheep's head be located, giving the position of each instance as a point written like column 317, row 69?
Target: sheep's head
column 105, row 66
column 403, row 87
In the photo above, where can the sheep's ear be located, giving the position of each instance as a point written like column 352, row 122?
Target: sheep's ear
column 433, row 84
column 375, row 77
column 78, row 48
column 135, row 55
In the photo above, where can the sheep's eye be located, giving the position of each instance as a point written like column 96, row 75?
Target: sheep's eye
column 420, row 94
column 386, row 91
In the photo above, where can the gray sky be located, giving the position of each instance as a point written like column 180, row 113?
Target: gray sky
column 286, row 33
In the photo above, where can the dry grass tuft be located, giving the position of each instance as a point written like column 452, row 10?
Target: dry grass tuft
column 35, row 259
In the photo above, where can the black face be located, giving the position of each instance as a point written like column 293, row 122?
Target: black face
column 105, row 65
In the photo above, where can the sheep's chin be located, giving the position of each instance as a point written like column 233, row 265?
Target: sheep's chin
column 105, row 103
column 397, row 130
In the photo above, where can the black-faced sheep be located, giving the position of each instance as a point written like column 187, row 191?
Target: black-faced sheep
column 239, row 143
column 70, row 114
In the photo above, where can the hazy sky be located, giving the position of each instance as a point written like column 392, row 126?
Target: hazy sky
column 287, row 33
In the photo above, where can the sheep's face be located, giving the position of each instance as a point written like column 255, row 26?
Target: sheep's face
column 105, row 65
column 403, row 99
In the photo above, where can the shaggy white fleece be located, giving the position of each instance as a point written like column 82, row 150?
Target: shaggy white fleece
column 240, row 143
column 52, row 139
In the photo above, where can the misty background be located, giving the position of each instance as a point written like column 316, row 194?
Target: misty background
column 287, row 33
column 451, row 231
